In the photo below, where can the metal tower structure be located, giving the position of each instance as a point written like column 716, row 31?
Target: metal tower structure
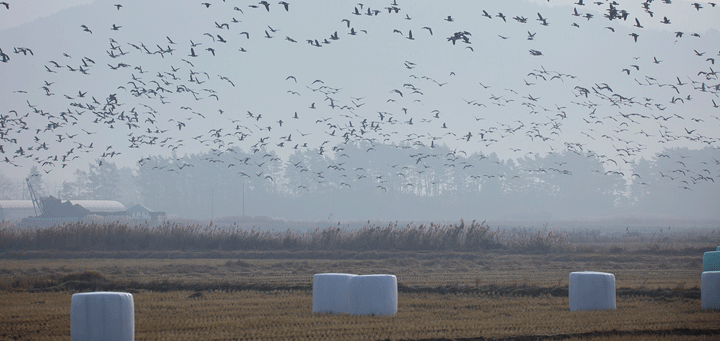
column 37, row 204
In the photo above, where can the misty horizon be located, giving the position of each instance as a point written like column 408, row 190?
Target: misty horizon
column 338, row 111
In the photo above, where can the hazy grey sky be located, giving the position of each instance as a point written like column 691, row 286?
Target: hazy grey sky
column 491, row 88
column 26, row 11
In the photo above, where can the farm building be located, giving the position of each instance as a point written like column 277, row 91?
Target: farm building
column 100, row 206
column 140, row 212
column 16, row 210
column 55, row 210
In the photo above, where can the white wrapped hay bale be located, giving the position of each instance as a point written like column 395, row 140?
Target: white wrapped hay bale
column 589, row 290
column 108, row 316
column 373, row 294
column 710, row 290
column 331, row 293
column 711, row 261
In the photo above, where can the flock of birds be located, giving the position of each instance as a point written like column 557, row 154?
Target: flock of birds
column 158, row 107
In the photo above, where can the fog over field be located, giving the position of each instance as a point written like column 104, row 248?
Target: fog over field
column 506, row 111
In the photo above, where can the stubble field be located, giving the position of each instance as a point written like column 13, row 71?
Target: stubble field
column 496, row 293
column 442, row 295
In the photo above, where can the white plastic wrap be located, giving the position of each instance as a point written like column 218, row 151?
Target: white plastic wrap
column 711, row 261
column 373, row 294
column 108, row 316
column 710, row 290
column 589, row 290
column 331, row 293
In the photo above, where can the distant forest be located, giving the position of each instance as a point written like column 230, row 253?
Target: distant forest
column 385, row 182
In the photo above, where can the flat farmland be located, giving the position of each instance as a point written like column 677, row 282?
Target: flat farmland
column 278, row 315
column 450, row 295
column 413, row 269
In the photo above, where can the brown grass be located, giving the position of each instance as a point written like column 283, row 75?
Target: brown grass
column 249, row 315
column 416, row 271
column 170, row 236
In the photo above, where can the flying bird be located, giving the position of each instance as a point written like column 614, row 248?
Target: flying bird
column 266, row 4
column 543, row 20
column 637, row 23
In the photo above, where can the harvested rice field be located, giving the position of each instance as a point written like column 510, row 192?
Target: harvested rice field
column 441, row 296
column 282, row 315
column 413, row 269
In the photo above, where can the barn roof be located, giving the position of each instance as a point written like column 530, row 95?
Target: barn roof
column 16, row 204
column 100, row 205
column 139, row 208
column 90, row 205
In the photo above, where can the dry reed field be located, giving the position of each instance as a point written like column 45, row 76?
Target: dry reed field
column 483, row 287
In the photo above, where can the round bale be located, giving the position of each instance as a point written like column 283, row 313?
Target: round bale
column 373, row 295
column 710, row 290
column 331, row 293
column 711, row 261
column 102, row 315
column 589, row 290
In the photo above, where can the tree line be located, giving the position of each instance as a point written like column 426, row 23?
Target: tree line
column 386, row 182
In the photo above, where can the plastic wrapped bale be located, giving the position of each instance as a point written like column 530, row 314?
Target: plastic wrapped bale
column 373, row 294
column 710, row 290
column 711, row 261
column 106, row 316
column 331, row 293
column 589, row 290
